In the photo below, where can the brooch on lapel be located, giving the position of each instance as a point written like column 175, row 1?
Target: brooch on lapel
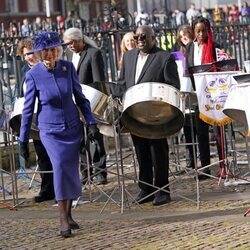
column 64, row 68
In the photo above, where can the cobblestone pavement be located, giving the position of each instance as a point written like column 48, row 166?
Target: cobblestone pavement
column 219, row 223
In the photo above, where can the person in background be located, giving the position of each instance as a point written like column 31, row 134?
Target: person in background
column 184, row 36
column 206, row 14
column 128, row 42
column 55, row 85
column 192, row 12
column 37, row 24
column 245, row 12
column 178, row 18
column 225, row 13
column 217, row 15
column 202, row 51
column 148, row 63
column 89, row 66
column 154, row 18
column 25, row 27
column 142, row 18
column 60, row 23
column 47, row 188
column 234, row 14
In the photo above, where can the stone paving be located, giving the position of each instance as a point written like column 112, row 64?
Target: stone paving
column 219, row 223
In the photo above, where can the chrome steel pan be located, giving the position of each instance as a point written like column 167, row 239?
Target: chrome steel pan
column 152, row 110
column 16, row 117
column 105, row 109
column 235, row 105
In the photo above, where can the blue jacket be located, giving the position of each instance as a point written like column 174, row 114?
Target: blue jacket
column 54, row 90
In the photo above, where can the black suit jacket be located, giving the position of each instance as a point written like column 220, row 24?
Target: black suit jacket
column 190, row 53
column 90, row 67
column 159, row 67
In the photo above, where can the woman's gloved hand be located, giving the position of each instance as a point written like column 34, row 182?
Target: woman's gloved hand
column 24, row 150
column 92, row 132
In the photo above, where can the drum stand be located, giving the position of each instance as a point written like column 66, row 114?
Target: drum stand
column 123, row 192
column 187, row 96
column 234, row 162
column 121, row 187
column 90, row 183
column 12, row 173
column 225, row 171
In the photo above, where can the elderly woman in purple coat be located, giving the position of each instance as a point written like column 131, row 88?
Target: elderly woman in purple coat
column 54, row 83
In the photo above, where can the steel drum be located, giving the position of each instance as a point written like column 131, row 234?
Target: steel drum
column 103, row 87
column 105, row 109
column 235, row 106
column 152, row 110
column 16, row 117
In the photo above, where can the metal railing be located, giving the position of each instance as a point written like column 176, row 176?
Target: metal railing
column 234, row 38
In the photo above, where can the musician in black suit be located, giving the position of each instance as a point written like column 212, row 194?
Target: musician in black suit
column 88, row 61
column 148, row 63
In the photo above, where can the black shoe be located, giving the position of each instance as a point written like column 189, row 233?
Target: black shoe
column 190, row 165
column 66, row 233
column 202, row 176
column 100, row 180
column 141, row 197
column 40, row 198
column 74, row 225
column 161, row 199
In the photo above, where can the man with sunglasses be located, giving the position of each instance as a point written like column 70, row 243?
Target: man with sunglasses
column 148, row 63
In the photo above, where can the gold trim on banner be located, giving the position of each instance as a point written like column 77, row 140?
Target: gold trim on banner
column 213, row 121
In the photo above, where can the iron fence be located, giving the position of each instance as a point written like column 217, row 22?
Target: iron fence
column 234, row 38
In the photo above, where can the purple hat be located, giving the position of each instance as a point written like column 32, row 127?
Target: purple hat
column 46, row 40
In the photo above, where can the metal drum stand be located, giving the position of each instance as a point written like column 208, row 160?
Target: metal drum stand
column 124, row 194
column 4, row 118
column 90, row 184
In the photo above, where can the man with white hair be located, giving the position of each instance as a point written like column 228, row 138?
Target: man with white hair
column 89, row 66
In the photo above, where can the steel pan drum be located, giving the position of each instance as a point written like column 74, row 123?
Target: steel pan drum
column 235, row 106
column 152, row 110
column 105, row 109
column 16, row 117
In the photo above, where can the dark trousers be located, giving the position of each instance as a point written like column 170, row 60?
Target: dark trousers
column 153, row 159
column 201, row 128
column 43, row 161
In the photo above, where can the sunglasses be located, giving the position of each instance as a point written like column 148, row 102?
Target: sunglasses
column 140, row 36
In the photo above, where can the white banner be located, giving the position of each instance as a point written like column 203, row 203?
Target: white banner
column 212, row 90
column 237, row 105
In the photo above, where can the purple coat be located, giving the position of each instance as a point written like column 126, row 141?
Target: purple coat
column 58, row 121
column 54, row 90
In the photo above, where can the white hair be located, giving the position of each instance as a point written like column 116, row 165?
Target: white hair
column 73, row 34
column 76, row 34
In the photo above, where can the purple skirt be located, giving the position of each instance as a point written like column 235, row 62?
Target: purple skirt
column 63, row 149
